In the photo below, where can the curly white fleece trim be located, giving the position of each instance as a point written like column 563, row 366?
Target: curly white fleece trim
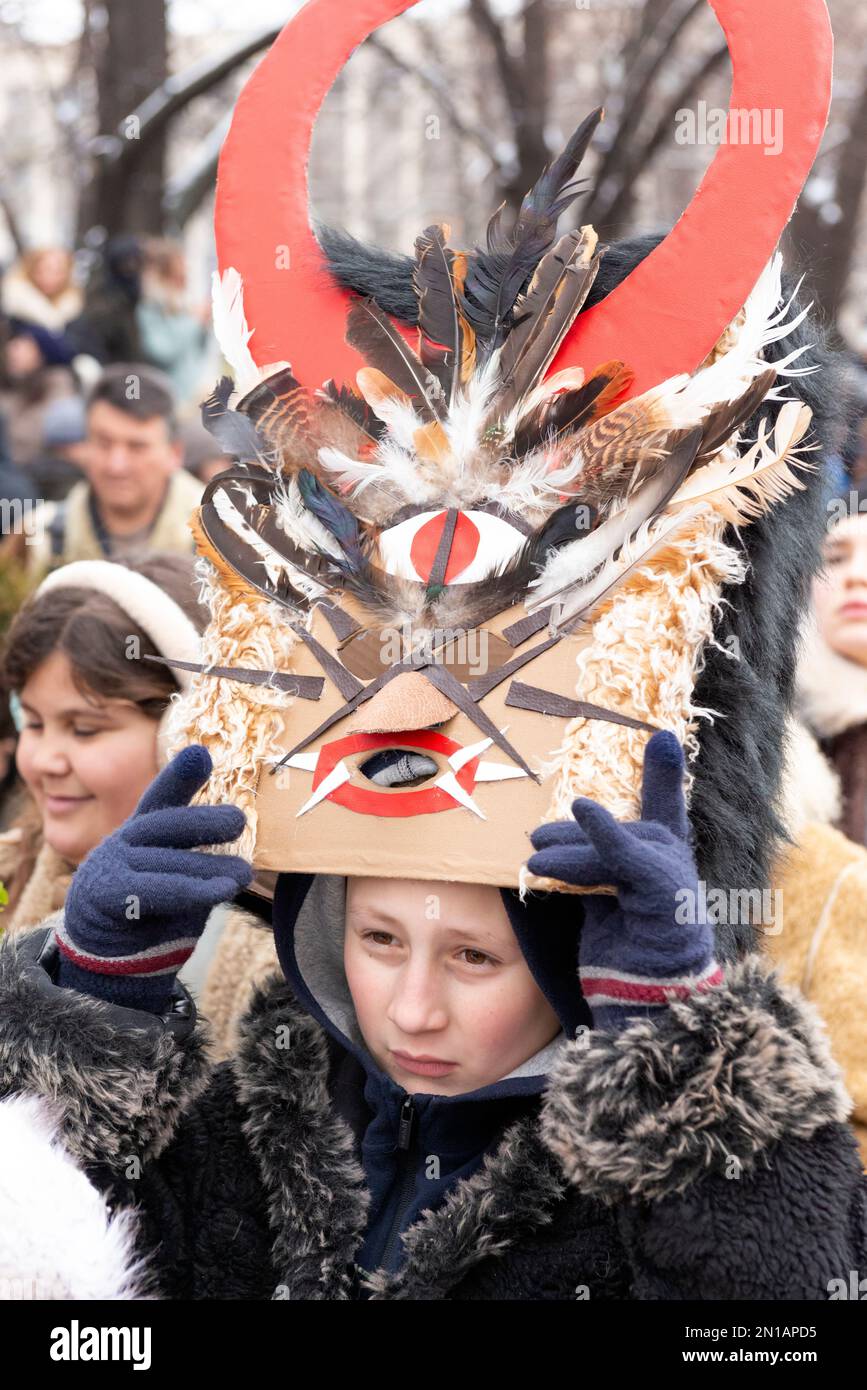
column 239, row 724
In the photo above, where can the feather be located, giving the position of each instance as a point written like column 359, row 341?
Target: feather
column 745, row 488
column 379, row 489
column 559, row 287
column 356, row 407
column 721, row 424
column 497, row 275
column 566, row 409
column 230, row 327
column 467, row 363
column 267, row 396
column 440, row 331
column 300, row 525
column 392, row 405
column 235, row 433
column 286, row 413
column 371, row 333
column 576, row 562
column 432, row 443
column 337, row 519
column 619, row 451
column 564, row 526
column 653, row 534
column 255, row 558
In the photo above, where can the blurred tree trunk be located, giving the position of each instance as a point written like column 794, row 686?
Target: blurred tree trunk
column 129, row 42
column 645, row 58
column 525, row 90
column 824, row 229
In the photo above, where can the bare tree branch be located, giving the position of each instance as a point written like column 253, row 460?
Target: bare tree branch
column 638, row 83
column 616, row 213
column 436, row 83
column 829, row 247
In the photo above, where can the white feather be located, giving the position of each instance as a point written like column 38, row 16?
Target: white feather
column 764, row 322
column 231, row 330
column 467, row 416
column 299, row 523
column 654, row 533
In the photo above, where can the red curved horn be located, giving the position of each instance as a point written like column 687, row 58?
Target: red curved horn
column 261, row 216
column 663, row 319
column 667, row 315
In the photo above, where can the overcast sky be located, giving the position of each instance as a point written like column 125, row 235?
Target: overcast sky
column 57, row 21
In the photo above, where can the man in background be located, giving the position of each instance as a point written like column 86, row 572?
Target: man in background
column 135, row 496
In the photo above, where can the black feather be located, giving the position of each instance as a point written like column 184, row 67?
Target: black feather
column 235, row 433
column 498, row 274
column 355, row 407
column 371, row 333
column 337, row 519
column 439, row 320
column 570, row 523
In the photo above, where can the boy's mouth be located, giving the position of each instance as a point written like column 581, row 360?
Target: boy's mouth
column 422, row 1066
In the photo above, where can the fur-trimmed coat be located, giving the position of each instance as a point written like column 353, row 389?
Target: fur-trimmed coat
column 701, row 1156
column 44, row 874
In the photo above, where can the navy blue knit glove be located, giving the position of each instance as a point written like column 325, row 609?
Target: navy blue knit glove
column 634, row 953
column 139, row 902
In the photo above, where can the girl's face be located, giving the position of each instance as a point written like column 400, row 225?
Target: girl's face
column 444, row 999
column 840, row 591
column 86, row 760
column 51, row 272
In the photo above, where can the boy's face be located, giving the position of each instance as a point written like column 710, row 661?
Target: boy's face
column 436, row 972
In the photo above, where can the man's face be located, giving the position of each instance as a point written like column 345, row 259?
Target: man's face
column 128, row 460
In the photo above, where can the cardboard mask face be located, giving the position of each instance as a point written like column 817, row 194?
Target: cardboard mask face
column 480, row 738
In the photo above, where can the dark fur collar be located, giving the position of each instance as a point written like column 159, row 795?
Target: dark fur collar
column 317, row 1199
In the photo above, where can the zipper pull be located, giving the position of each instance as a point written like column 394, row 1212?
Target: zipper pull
column 407, row 1115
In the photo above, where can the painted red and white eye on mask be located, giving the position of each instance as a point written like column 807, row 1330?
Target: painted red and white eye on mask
column 482, row 543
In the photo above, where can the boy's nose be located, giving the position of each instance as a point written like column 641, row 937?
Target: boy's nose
column 417, row 1004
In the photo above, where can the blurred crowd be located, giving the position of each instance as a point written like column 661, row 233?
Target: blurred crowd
column 103, row 458
column 58, row 337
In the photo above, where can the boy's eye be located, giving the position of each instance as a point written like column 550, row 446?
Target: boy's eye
column 380, row 938
column 86, row 733
column 474, row 957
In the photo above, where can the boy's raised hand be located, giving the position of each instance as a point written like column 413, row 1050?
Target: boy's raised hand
column 139, row 902
column 634, row 954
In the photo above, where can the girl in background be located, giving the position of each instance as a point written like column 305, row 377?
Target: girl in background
column 88, row 714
